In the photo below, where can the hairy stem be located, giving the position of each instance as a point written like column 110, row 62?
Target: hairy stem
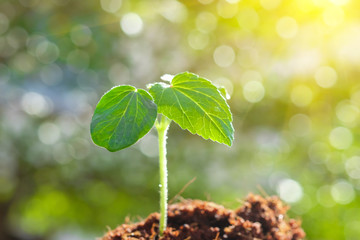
column 162, row 129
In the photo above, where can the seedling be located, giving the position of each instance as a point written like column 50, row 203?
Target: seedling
column 125, row 114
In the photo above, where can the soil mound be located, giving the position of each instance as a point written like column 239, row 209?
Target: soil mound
column 258, row 218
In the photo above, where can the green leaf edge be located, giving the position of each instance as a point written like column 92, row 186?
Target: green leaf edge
column 231, row 138
column 135, row 90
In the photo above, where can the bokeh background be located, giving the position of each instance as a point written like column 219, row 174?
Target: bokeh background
column 291, row 68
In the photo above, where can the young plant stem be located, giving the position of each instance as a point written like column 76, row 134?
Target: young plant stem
column 162, row 129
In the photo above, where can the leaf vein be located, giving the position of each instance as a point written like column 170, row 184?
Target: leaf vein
column 183, row 111
column 211, row 119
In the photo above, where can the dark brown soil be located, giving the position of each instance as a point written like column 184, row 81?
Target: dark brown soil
column 258, row 218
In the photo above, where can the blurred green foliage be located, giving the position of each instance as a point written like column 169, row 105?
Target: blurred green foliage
column 291, row 67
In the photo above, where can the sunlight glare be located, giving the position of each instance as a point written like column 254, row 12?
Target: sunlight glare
column 174, row 11
column 341, row 138
column 270, row 4
column 343, row 192
column 248, row 19
column 325, row 77
column 290, row 191
column 206, row 22
column 35, row 104
column 352, row 167
column 301, row 95
column 49, row 133
column 226, row 10
column 300, row 125
column 347, row 112
column 287, row 27
column 51, row 74
column 254, row 91
column 47, row 52
column 205, row 1
column 324, row 197
column 224, row 56
column 4, row 23
column 81, row 35
column 111, row 6
column 131, row 24
column 340, row 2
column 333, row 16
column 198, row 40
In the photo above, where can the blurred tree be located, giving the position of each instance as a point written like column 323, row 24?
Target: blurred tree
column 291, row 68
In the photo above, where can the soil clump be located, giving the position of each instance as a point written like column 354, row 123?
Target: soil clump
column 257, row 219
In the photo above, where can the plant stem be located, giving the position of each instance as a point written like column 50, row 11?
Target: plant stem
column 162, row 129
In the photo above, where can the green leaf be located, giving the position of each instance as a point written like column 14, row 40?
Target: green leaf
column 196, row 105
column 223, row 92
column 123, row 116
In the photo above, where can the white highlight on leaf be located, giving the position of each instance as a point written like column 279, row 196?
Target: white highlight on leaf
column 227, row 84
column 167, row 77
